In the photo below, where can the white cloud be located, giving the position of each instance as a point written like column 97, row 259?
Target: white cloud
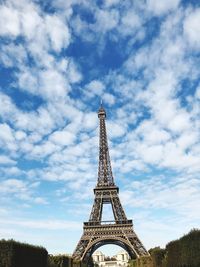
column 43, row 150
column 13, row 186
column 187, row 139
column 20, row 135
column 95, row 87
column 178, row 195
column 6, row 133
column 53, row 84
column 115, row 130
column 28, row 20
column 42, row 33
column 4, row 160
column 63, row 138
column 108, row 98
column 10, row 20
column 59, row 33
column 10, row 171
column 152, row 133
column 150, row 154
column 191, row 28
column 73, row 73
column 197, row 93
column 7, row 140
column 162, row 7
column 130, row 22
column 42, row 224
column 90, row 121
column 12, row 55
column 109, row 3
column 106, row 20
column 49, row 83
column 180, row 122
column 31, row 21
column 127, row 165
column 40, row 200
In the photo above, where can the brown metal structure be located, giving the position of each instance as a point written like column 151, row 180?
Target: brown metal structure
column 96, row 232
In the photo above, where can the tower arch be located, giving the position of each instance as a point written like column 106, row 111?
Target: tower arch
column 99, row 242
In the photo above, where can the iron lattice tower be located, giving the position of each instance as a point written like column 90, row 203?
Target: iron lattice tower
column 97, row 232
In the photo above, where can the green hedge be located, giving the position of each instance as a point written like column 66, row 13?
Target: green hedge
column 145, row 261
column 63, row 261
column 157, row 255
column 59, row 261
column 184, row 252
column 16, row 254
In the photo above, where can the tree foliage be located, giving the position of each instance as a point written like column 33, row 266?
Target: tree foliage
column 157, row 255
column 64, row 261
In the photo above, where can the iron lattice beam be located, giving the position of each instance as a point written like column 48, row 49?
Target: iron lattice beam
column 105, row 176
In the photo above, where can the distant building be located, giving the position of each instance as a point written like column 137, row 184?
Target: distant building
column 121, row 259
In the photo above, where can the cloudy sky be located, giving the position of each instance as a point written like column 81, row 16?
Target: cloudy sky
column 57, row 60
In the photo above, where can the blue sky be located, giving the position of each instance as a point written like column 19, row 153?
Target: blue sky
column 57, row 60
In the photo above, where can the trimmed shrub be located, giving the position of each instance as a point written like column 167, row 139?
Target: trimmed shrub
column 145, row 261
column 157, row 255
column 132, row 263
column 184, row 252
column 64, row 261
column 16, row 254
column 59, row 261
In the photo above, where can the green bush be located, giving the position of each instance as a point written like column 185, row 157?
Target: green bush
column 144, row 261
column 132, row 263
column 64, row 261
column 16, row 254
column 184, row 252
column 157, row 255
column 59, row 261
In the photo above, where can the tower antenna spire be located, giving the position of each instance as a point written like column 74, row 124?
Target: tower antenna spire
column 101, row 102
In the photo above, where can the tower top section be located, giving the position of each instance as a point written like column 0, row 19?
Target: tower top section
column 101, row 112
column 105, row 176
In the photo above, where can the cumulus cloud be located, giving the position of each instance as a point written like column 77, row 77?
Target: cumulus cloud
column 191, row 28
column 95, row 87
column 11, row 55
column 178, row 195
column 162, row 7
column 20, row 189
column 12, row 186
column 4, row 160
column 11, row 21
column 108, row 98
column 27, row 20
column 130, row 22
column 90, row 121
column 43, row 224
column 62, row 138
column 59, row 34
column 106, row 20
column 115, row 130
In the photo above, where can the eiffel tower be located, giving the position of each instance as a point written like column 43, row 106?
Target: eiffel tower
column 96, row 232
